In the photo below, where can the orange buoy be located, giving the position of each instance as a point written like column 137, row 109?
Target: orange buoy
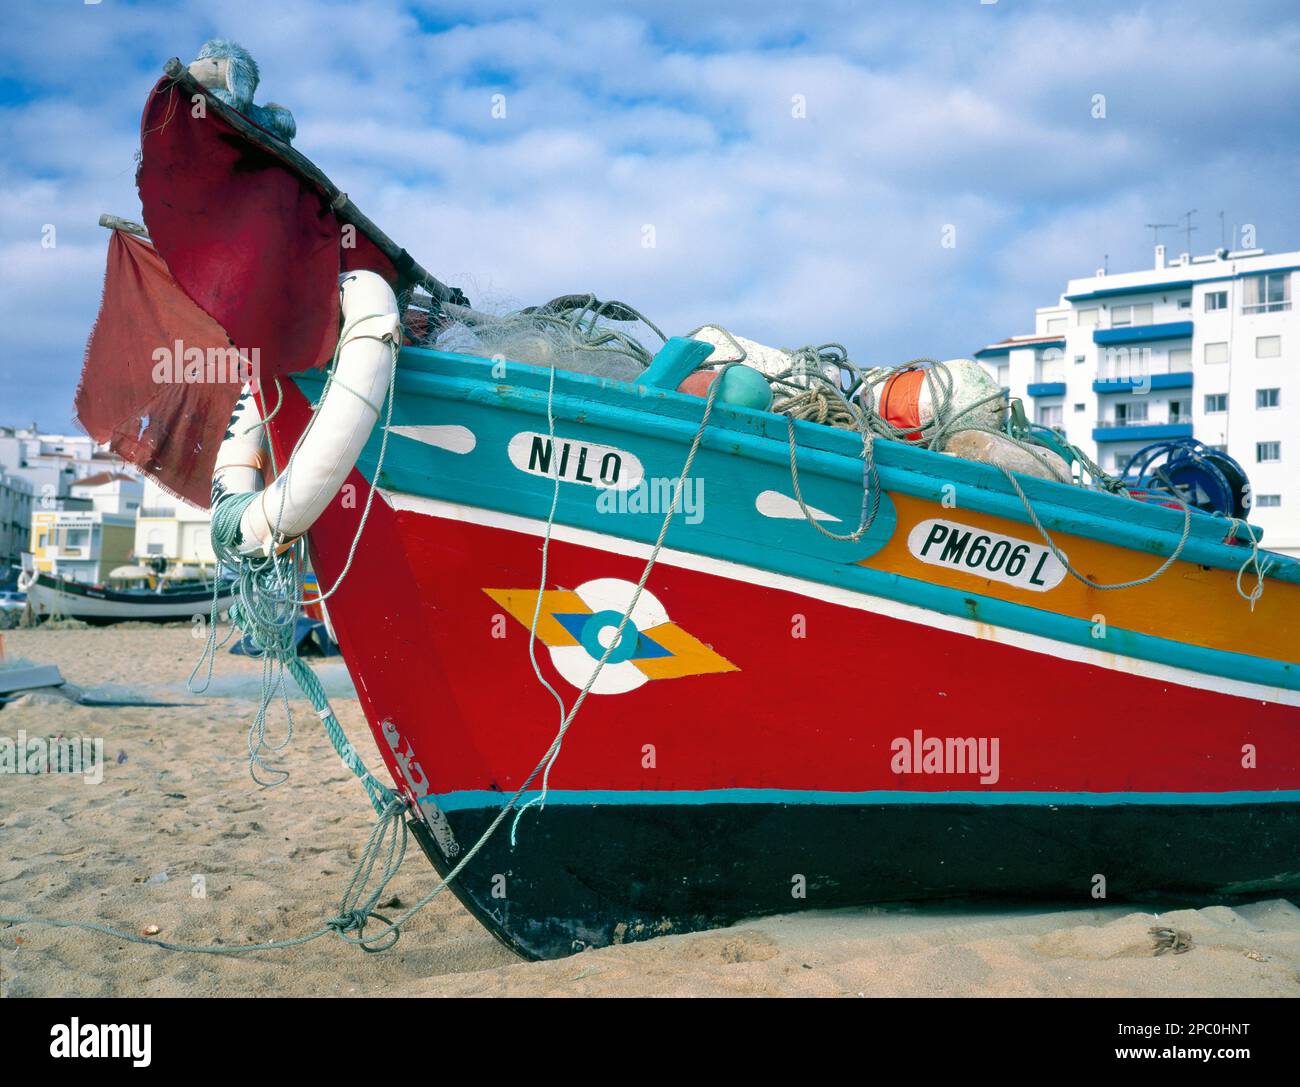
column 900, row 401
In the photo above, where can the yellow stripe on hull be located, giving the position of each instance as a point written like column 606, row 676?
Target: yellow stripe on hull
column 1188, row 603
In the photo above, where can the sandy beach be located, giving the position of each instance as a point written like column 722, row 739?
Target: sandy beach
column 177, row 811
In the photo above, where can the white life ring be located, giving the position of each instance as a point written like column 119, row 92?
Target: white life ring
column 343, row 421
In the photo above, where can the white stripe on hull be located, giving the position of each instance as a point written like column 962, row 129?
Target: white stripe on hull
column 833, row 594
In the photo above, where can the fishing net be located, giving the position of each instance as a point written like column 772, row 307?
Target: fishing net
column 578, row 333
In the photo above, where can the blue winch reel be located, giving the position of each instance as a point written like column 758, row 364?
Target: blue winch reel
column 1206, row 479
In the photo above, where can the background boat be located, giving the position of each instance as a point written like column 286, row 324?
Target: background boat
column 51, row 597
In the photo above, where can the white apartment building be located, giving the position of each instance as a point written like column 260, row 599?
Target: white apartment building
column 15, row 522
column 1205, row 347
column 52, row 463
column 170, row 529
column 110, row 492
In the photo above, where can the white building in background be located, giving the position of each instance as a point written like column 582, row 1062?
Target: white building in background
column 110, row 492
column 170, row 529
column 1205, row 347
column 51, row 463
column 15, row 523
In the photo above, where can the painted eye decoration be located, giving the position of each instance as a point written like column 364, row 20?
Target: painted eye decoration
column 578, row 626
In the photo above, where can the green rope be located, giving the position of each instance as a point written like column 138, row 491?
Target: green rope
column 390, row 834
column 817, row 399
column 1060, row 555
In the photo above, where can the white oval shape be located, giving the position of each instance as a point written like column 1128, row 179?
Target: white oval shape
column 976, row 551
column 782, row 507
column 454, row 439
column 574, row 461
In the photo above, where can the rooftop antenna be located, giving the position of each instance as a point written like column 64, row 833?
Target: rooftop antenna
column 1190, row 229
column 1156, row 228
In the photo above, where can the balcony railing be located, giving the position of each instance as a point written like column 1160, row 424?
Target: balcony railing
column 1116, row 430
column 1179, row 379
column 158, row 511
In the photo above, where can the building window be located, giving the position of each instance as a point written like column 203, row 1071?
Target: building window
column 1216, row 300
column 1268, row 347
column 1089, row 318
column 1050, row 363
column 1004, row 373
column 1216, row 352
column 1215, row 403
column 1268, row 500
column 1180, row 411
column 1184, row 303
column 1124, row 316
column 1049, row 415
column 1268, row 398
column 1079, row 360
column 1180, row 360
column 1080, row 407
column 1267, row 293
column 1055, row 325
column 1268, row 451
column 1130, row 413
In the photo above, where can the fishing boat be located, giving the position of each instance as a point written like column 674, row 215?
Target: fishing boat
column 832, row 672
column 50, row 597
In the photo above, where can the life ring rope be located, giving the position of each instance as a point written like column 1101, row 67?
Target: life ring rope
column 249, row 520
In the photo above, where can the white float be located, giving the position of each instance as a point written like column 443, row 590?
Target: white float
column 339, row 428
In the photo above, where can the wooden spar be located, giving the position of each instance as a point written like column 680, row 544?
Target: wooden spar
column 124, row 225
column 342, row 206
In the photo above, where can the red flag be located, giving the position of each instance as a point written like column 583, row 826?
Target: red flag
column 246, row 254
column 129, row 395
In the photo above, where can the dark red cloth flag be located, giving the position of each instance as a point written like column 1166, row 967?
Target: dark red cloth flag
column 246, row 253
column 164, row 427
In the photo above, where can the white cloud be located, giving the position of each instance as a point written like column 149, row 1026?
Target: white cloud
column 679, row 115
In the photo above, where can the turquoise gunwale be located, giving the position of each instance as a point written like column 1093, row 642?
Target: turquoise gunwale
column 751, row 448
column 469, row 799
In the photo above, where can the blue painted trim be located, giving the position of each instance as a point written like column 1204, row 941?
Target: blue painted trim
column 1141, row 433
column 1047, row 388
column 468, row 799
column 1170, row 330
column 1154, row 288
column 995, row 350
column 1181, row 379
column 1179, row 285
column 453, row 384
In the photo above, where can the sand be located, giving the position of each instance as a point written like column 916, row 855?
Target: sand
column 177, row 810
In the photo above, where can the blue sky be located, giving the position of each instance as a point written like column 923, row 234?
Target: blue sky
column 791, row 230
